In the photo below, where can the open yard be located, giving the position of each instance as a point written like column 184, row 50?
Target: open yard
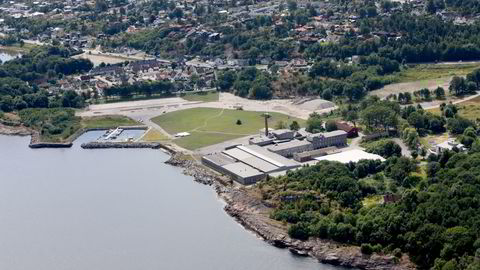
column 211, row 126
column 430, row 141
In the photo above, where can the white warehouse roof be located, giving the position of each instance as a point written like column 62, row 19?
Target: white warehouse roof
column 350, row 156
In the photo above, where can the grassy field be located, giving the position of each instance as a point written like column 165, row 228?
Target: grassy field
column 154, row 135
column 431, row 71
column 203, row 96
column 210, row 126
column 16, row 48
column 469, row 109
column 200, row 139
column 421, row 76
column 108, row 121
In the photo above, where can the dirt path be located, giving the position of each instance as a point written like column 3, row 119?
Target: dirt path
column 436, row 104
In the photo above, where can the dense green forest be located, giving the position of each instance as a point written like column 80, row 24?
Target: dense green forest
column 249, row 82
column 147, row 89
column 19, row 77
column 436, row 220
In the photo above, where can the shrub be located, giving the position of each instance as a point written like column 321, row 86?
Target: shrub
column 298, row 231
column 239, row 122
column 331, row 125
column 366, row 249
column 397, row 253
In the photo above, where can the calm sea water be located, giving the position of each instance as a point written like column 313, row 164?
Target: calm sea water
column 118, row 209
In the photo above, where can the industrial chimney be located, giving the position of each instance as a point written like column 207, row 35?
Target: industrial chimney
column 266, row 123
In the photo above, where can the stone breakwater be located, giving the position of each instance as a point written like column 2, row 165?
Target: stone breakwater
column 106, row 145
column 36, row 142
column 253, row 214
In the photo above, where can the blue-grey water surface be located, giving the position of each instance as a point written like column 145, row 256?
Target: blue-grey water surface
column 69, row 209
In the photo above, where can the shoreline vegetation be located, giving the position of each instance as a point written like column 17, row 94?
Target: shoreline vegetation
column 60, row 131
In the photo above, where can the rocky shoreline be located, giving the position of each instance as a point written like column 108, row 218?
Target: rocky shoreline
column 15, row 130
column 107, row 145
column 253, row 215
column 199, row 173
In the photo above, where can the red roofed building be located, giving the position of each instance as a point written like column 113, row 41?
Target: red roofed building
column 351, row 130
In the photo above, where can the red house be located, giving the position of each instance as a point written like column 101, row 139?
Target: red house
column 351, row 130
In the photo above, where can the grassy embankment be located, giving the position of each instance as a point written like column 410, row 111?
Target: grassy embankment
column 154, row 135
column 108, row 121
column 211, row 126
column 201, row 96
column 469, row 109
column 434, row 71
column 17, row 48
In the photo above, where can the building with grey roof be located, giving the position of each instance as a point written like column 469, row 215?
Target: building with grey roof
column 309, row 155
column 260, row 140
column 271, row 157
column 283, row 134
column 287, row 149
column 240, row 172
column 248, row 164
column 243, row 173
column 333, row 138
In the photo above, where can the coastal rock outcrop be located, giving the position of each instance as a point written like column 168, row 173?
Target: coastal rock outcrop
column 254, row 215
column 193, row 168
column 17, row 130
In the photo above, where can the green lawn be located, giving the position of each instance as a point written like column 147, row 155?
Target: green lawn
column 132, row 98
column 202, row 96
column 210, row 126
column 108, row 121
column 200, row 139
